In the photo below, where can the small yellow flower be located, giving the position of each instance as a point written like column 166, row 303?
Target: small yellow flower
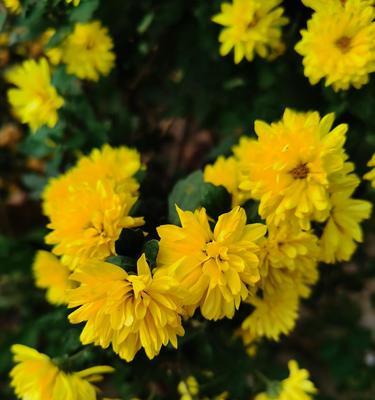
column 88, row 51
column 342, row 230
column 339, row 46
column 250, row 27
column 225, row 172
column 37, row 377
column 75, row 2
column 52, row 275
column 214, row 267
column 274, row 314
column 14, row 6
column 88, row 220
column 288, row 167
column 125, row 310
column 35, row 101
column 188, row 388
column 296, row 387
column 370, row 176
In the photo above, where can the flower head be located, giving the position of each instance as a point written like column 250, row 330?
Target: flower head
column 125, row 310
column 88, row 51
column 214, row 267
column 339, row 45
column 118, row 164
column 35, row 101
column 37, row 377
column 296, row 387
column 371, row 174
column 251, row 27
column 224, row 172
column 14, row 6
column 288, row 167
column 88, row 219
column 188, row 388
column 274, row 314
column 342, row 230
column 52, row 275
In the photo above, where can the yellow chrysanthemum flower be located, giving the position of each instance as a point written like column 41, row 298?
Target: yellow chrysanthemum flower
column 35, row 101
column 318, row 5
column 339, row 46
column 296, row 387
column 188, row 388
column 14, row 6
column 88, row 220
column 127, row 311
column 289, row 166
column 342, row 230
column 225, row 172
column 88, row 51
column 251, row 27
column 214, row 267
column 274, row 314
column 370, row 176
column 288, row 247
column 37, row 377
column 52, row 275
column 118, row 164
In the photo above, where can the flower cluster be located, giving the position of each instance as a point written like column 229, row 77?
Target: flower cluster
column 87, row 53
column 299, row 172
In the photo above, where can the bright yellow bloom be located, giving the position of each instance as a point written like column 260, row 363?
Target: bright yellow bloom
column 225, row 172
column 339, row 46
column 188, row 389
column 289, row 166
column 37, row 377
column 52, row 275
column 342, row 230
column 14, row 6
column 288, row 247
column 274, row 314
column 35, row 101
column 127, row 311
column 296, row 387
column 251, row 27
column 371, row 174
column 318, row 5
column 88, row 220
column 118, row 164
column 75, row 2
column 214, row 267
column 88, row 51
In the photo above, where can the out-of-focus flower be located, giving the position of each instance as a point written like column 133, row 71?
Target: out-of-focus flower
column 14, row 6
column 296, row 387
column 188, row 388
column 37, row 377
column 88, row 51
column 52, row 275
column 35, row 101
column 251, row 27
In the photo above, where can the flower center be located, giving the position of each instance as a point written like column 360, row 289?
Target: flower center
column 344, row 44
column 216, row 250
column 300, row 172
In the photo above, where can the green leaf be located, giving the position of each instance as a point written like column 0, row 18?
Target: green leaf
column 129, row 264
column 192, row 193
column 151, row 251
column 84, row 12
